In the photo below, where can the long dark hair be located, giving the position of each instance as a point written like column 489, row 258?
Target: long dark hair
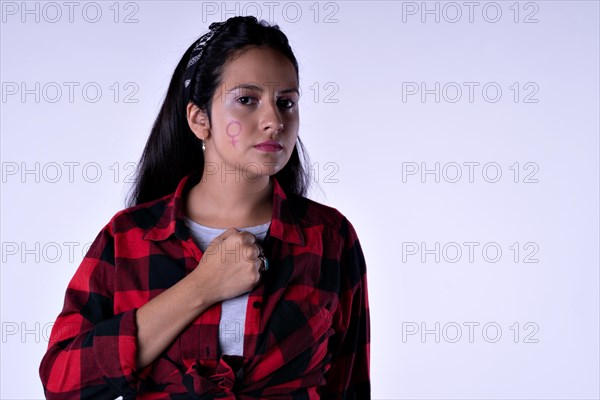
column 172, row 150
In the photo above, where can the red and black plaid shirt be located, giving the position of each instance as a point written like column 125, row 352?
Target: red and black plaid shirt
column 307, row 329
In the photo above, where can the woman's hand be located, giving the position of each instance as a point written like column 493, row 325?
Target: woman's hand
column 229, row 266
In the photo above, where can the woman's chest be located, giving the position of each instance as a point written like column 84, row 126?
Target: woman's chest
column 287, row 317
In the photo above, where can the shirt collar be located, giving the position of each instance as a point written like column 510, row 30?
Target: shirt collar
column 284, row 223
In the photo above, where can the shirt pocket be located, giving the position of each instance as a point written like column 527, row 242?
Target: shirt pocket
column 297, row 345
column 167, row 366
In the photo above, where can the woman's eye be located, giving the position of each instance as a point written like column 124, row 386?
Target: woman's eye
column 245, row 100
column 287, row 103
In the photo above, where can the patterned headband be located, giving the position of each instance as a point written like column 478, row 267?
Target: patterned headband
column 192, row 64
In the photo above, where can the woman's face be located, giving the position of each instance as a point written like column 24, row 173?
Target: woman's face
column 257, row 102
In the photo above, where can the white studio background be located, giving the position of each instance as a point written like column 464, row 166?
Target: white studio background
column 459, row 138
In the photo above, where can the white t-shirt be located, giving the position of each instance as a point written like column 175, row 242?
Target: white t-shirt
column 233, row 314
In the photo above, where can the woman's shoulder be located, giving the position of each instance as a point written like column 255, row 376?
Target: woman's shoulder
column 143, row 215
column 312, row 212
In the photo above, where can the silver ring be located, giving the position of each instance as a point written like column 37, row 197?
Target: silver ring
column 263, row 258
column 260, row 249
column 265, row 263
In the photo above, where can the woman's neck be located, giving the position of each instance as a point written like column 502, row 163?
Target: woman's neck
column 230, row 201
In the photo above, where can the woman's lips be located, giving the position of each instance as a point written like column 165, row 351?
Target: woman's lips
column 270, row 146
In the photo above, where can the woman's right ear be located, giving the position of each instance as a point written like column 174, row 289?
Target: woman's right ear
column 198, row 121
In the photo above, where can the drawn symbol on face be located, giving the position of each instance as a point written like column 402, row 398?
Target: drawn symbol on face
column 234, row 128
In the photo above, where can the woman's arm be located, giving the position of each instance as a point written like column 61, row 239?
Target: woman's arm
column 349, row 375
column 163, row 318
column 91, row 351
column 95, row 354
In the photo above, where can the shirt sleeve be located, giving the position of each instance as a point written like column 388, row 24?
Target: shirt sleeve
column 349, row 374
column 91, row 352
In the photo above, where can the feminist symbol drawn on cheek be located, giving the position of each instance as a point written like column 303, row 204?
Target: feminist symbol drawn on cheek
column 236, row 131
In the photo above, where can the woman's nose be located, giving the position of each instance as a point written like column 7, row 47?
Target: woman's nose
column 272, row 119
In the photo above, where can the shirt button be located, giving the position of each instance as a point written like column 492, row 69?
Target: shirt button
column 257, row 304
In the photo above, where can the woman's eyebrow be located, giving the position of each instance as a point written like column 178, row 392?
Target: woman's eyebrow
column 290, row 90
column 259, row 89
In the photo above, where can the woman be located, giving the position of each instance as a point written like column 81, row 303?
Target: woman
column 221, row 280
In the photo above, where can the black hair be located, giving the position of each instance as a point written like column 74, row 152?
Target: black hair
column 172, row 150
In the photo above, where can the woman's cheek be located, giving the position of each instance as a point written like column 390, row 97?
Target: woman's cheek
column 233, row 131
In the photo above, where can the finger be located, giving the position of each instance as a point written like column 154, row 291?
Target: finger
column 247, row 238
column 251, row 252
column 259, row 278
column 215, row 243
column 261, row 265
column 226, row 234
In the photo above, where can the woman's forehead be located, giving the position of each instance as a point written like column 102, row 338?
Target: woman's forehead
column 263, row 68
